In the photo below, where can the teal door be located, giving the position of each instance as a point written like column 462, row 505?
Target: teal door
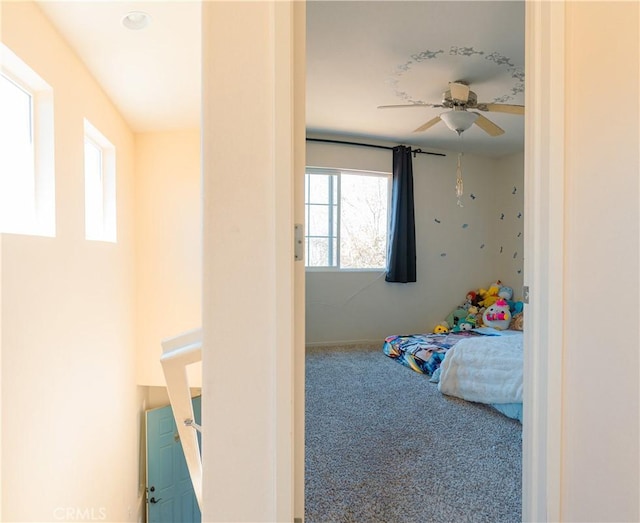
column 170, row 495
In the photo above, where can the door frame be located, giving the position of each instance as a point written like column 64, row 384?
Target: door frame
column 543, row 269
column 544, row 259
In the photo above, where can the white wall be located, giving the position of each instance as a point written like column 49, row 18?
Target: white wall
column 248, row 289
column 168, row 246
column 71, row 409
column 600, row 390
column 458, row 248
column 600, row 408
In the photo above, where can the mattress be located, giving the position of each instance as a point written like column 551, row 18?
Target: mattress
column 463, row 371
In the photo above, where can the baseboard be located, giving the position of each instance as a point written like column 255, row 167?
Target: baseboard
column 344, row 343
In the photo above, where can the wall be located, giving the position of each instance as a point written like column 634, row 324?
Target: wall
column 249, row 328
column 168, row 245
column 600, row 407
column 71, row 429
column 459, row 248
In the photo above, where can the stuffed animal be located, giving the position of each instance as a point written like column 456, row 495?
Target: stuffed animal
column 456, row 317
column 497, row 315
column 464, row 325
column 472, row 296
column 441, row 328
column 472, row 316
column 516, row 307
column 490, row 296
column 517, row 322
column 506, row 293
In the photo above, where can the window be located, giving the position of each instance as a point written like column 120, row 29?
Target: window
column 346, row 218
column 99, row 186
column 27, row 193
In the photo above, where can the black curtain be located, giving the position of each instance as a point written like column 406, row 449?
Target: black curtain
column 401, row 256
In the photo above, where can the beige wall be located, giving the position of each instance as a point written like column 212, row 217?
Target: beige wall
column 451, row 258
column 248, row 287
column 600, row 409
column 70, row 432
column 168, row 245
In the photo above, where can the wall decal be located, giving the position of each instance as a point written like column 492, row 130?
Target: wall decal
column 515, row 255
column 519, row 234
column 519, row 215
column 407, row 81
column 408, row 77
column 465, row 225
column 502, row 216
column 472, row 196
column 482, row 246
column 501, row 249
column 515, row 190
column 519, row 271
column 437, row 221
column 443, row 254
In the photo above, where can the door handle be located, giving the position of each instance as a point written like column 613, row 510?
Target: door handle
column 154, row 500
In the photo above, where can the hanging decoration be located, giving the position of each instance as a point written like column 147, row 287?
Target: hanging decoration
column 459, row 183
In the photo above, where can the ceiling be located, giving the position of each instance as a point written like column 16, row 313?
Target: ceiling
column 360, row 55
column 364, row 54
column 152, row 75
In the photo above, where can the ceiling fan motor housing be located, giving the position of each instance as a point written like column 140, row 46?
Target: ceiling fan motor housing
column 450, row 102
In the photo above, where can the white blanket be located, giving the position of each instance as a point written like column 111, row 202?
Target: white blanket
column 484, row 369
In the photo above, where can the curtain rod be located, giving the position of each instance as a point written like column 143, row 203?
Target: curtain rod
column 414, row 151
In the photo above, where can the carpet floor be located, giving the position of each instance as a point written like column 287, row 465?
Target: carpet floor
column 384, row 445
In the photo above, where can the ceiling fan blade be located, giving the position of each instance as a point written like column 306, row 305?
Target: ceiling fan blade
column 459, row 91
column 488, row 126
column 427, row 125
column 408, row 105
column 501, row 108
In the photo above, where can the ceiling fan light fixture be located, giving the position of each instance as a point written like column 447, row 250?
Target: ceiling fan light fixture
column 458, row 121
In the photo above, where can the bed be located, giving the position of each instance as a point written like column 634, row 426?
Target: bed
column 482, row 365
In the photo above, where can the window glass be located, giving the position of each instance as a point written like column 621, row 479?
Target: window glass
column 27, row 178
column 17, row 169
column 346, row 219
column 99, row 186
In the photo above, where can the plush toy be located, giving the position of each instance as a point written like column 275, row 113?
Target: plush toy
column 489, row 296
column 464, row 325
column 497, row 315
column 472, row 316
column 456, row 317
column 441, row 328
column 472, row 296
column 516, row 307
column 517, row 322
column 506, row 293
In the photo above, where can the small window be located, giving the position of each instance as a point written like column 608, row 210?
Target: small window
column 26, row 150
column 99, row 186
column 346, row 219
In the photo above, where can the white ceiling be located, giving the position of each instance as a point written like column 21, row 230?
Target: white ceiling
column 360, row 54
column 152, row 75
column 364, row 54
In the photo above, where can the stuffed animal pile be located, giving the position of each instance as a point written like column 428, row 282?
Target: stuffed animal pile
column 491, row 307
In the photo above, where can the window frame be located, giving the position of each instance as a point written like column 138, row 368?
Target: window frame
column 338, row 173
column 107, row 219
column 42, row 218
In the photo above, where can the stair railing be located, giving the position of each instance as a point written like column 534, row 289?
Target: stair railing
column 177, row 353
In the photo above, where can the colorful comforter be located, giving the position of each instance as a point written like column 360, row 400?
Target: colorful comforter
column 468, row 365
column 422, row 353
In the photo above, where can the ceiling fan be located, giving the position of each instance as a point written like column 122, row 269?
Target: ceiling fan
column 459, row 98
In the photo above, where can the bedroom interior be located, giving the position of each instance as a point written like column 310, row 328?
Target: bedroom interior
column 92, row 288
column 398, row 67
